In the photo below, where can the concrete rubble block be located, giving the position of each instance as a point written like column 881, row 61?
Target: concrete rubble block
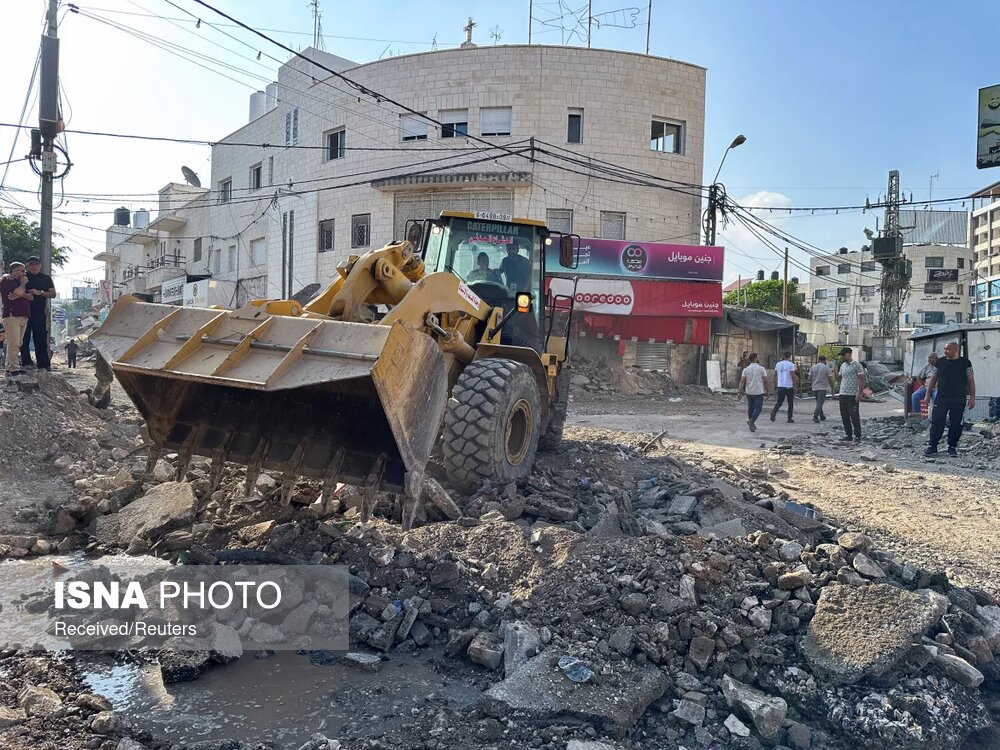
column 867, row 567
column 93, row 702
column 127, row 743
column 409, row 618
column 362, row 661
column 589, row 745
column 795, row 579
column 852, row 541
column 690, row 713
column 421, row 634
column 683, row 505
column 177, row 665
column 725, row 530
column 761, row 617
column 959, row 670
column 164, row 508
column 11, row 716
column 860, row 631
column 35, row 700
column 736, row 727
column 790, row 551
column 622, row 641
column 384, row 638
column 485, row 650
column 700, row 651
column 539, row 691
column 362, row 626
column 990, row 618
column 441, row 499
column 634, row 604
column 686, row 589
column 799, row 736
column 521, row 641
column 458, row 641
column 106, row 723
column 767, row 712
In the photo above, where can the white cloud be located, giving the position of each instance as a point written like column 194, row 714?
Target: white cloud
column 745, row 253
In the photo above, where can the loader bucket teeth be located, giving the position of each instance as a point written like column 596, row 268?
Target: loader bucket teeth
column 184, row 456
column 369, row 496
column 260, row 386
column 330, row 478
column 287, row 488
column 155, row 451
column 218, row 466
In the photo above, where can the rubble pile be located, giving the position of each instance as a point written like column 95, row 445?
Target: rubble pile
column 604, row 376
column 979, row 447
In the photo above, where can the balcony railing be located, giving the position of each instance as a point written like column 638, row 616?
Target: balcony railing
column 170, row 260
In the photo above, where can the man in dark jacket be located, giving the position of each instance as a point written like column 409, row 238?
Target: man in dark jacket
column 42, row 290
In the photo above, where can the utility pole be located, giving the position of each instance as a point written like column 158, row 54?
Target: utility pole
column 888, row 250
column 590, row 21
column 49, row 124
column 710, row 218
column 784, row 287
column 649, row 24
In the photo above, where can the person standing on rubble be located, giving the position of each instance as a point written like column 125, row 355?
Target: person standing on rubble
column 752, row 384
column 851, row 375
column 956, row 389
column 71, row 349
column 787, row 379
column 819, row 379
column 42, row 289
column 923, row 378
column 16, row 311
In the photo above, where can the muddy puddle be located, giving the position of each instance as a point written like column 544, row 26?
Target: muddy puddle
column 284, row 698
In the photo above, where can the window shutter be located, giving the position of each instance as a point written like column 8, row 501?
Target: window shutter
column 495, row 121
column 413, row 127
column 451, row 116
column 612, row 225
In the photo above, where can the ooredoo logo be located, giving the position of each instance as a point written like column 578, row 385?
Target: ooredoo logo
column 604, row 299
column 634, row 258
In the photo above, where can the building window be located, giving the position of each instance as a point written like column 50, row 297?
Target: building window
column 933, row 318
column 574, row 126
column 233, row 258
column 844, row 319
column 843, row 292
column 412, row 128
column 961, row 262
column 495, row 121
column 454, row 123
column 867, row 291
column 868, row 265
column 934, row 261
column 821, row 293
column 258, row 252
column 666, row 137
column 216, row 261
column 979, row 292
column 292, row 127
column 958, row 317
column 843, row 268
column 226, row 190
column 196, row 255
column 361, row 230
column 822, row 270
column 336, row 144
column 933, row 287
column 255, row 176
column 270, row 170
column 326, row 236
column 612, row 225
column 866, row 319
column 960, row 290
column 559, row 220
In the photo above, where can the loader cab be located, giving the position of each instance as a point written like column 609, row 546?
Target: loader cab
column 498, row 257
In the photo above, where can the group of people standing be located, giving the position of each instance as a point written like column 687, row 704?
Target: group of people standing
column 24, row 291
column 949, row 381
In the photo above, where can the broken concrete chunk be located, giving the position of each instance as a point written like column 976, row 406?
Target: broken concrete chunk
column 521, row 642
column 867, row 567
column 485, row 650
column 865, row 630
column 683, row 505
column 852, row 541
column 765, row 711
column 166, row 507
column 701, row 650
column 690, row 712
column 39, row 701
column 794, row 580
column 726, row 530
column 364, row 662
column 959, row 670
column 622, row 641
column 736, row 727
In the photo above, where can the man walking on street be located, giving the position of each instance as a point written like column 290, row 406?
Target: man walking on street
column 16, row 309
column 923, row 378
column 819, row 378
column 71, row 350
column 752, row 384
column 956, row 388
column 42, row 289
column 852, row 384
column 787, row 378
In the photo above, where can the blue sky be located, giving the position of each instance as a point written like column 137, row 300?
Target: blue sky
column 830, row 95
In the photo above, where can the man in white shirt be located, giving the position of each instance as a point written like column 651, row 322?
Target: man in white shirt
column 819, row 379
column 787, row 378
column 752, row 384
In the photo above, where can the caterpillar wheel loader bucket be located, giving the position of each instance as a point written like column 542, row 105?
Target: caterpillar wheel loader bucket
column 307, row 396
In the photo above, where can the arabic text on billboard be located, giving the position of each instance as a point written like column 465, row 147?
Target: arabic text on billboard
column 988, row 143
column 646, row 260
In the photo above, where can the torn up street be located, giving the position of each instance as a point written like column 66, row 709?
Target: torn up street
column 661, row 580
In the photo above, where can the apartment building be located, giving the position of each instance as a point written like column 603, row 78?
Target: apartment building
column 343, row 173
column 984, row 241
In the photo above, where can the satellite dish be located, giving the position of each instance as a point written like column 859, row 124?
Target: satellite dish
column 190, row 177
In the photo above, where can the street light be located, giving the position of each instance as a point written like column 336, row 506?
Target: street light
column 713, row 193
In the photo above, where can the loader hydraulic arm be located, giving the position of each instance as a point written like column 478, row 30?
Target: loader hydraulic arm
column 380, row 277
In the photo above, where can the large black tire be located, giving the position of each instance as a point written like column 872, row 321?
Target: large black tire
column 492, row 425
column 552, row 437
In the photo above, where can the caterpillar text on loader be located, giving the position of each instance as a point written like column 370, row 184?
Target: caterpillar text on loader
column 447, row 335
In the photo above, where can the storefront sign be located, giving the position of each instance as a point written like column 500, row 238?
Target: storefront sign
column 678, row 299
column 942, row 274
column 647, row 260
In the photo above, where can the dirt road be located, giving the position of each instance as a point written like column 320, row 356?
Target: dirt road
column 942, row 513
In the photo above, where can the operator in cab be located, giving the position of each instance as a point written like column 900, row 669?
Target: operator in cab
column 516, row 270
column 483, row 272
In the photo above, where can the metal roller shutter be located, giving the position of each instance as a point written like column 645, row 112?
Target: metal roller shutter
column 652, row 356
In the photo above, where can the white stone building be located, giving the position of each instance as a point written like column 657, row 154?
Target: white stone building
column 844, row 288
column 984, row 242
column 343, row 173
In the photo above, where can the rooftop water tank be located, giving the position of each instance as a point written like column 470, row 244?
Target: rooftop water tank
column 140, row 220
column 122, row 217
column 258, row 104
column 271, row 96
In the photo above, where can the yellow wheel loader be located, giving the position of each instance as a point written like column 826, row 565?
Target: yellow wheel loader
column 448, row 334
